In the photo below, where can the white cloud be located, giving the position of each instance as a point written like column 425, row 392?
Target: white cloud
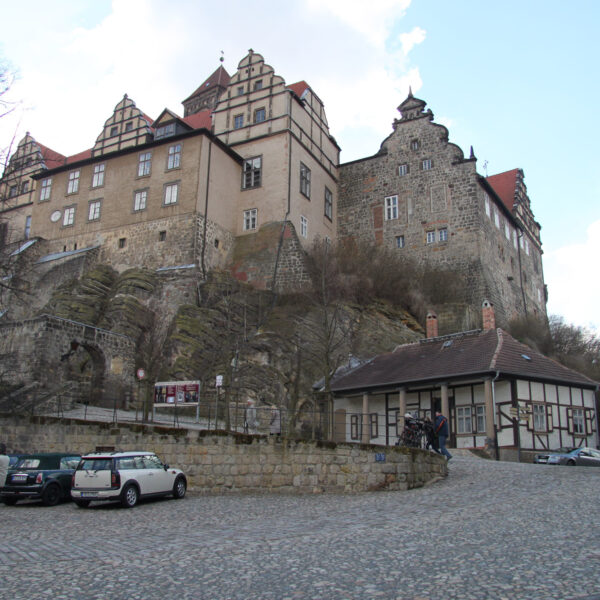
column 410, row 40
column 573, row 284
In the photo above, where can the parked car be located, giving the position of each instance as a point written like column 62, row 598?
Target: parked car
column 125, row 477
column 583, row 457
column 40, row 476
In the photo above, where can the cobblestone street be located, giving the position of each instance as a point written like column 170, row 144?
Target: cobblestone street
column 489, row 531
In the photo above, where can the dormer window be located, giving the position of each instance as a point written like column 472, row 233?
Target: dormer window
column 165, row 131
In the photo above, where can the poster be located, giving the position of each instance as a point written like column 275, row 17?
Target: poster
column 176, row 392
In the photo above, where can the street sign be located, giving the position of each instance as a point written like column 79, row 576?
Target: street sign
column 141, row 373
column 219, row 382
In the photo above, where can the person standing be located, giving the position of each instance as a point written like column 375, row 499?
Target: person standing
column 275, row 423
column 4, row 462
column 440, row 427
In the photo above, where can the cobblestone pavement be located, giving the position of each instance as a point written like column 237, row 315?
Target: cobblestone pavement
column 491, row 530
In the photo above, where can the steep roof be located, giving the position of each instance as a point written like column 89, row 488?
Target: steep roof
column 51, row 157
column 219, row 78
column 298, row 88
column 505, row 185
column 458, row 356
column 199, row 120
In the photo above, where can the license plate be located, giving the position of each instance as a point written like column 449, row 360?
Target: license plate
column 89, row 494
column 19, row 477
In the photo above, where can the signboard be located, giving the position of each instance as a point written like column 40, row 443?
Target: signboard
column 176, row 392
column 141, row 374
column 219, row 382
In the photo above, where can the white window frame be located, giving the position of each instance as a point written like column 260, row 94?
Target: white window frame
column 443, row 234
column 94, row 209
column 171, row 194
column 73, row 183
column 27, row 232
column 260, row 112
column 486, row 201
column 540, row 422
column 400, row 241
column 328, row 204
column 252, row 173
column 391, row 208
column 140, row 200
column 427, row 164
column 98, row 176
column 464, row 420
column 46, row 189
column 403, row 170
column 497, row 218
column 480, row 418
column 578, row 420
column 304, row 180
column 250, row 219
column 145, row 164
column 69, row 216
column 174, row 157
column 303, row 226
column 430, row 236
column 238, row 121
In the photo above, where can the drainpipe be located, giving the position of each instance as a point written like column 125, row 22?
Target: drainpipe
column 494, row 408
column 202, row 263
column 521, row 270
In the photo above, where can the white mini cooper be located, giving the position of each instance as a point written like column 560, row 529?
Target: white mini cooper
column 125, row 477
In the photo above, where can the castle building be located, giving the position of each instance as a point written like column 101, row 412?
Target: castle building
column 249, row 177
column 421, row 195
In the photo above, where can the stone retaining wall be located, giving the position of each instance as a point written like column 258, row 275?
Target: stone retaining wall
column 218, row 462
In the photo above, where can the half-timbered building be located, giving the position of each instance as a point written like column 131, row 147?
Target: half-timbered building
column 496, row 392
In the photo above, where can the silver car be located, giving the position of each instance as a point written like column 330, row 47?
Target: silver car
column 582, row 457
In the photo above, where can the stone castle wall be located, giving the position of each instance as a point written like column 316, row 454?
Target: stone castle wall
column 217, row 462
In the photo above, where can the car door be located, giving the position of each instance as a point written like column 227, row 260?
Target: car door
column 159, row 480
column 588, row 457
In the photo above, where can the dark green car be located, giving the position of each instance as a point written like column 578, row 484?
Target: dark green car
column 45, row 477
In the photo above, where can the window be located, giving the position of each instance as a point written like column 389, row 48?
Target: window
column 578, row 421
column 486, row 200
column 250, row 219
column 98, row 176
column 403, row 170
column 144, row 164
column 303, row 226
column 69, row 216
column 94, row 210
column 240, row 90
column 430, row 237
column 73, row 184
column 414, row 144
column 480, row 416
column 13, row 191
column 443, row 235
column 174, row 157
column 463, row 419
column 171, row 191
column 328, row 204
column 304, row 180
column 122, row 242
column 46, row 189
column 252, row 173
column 258, row 85
column 539, row 417
column 507, row 231
column 238, row 121
column 139, row 200
column 391, row 208
column 399, row 241
column 374, row 425
column 114, row 131
column 355, row 426
column 24, row 187
column 260, row 115
column 497, row 219
column 162, row 236
column 427, row 164
column 165, row 131
column 129, row 126
column 27, row 227
column 527, row 247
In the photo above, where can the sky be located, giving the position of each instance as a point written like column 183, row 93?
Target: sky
column 515, row 79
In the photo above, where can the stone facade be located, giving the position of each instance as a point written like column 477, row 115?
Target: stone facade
column 218, row 462
column 420, row 195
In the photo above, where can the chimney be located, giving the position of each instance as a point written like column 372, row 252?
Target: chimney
column 488, row 316
column 431, row 325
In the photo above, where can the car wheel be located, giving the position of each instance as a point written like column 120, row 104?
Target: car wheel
column 82, row 503
column 9, row 501
column 129, row 496
column 51, row 495
column 179, row 488
column 571, row 463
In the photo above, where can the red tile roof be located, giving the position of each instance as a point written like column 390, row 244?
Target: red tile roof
column 298, row 88
column 454, row 357
column 199, row 120
column 505, row 185
column 79, row 156
column 51, row 158
column 219, row 77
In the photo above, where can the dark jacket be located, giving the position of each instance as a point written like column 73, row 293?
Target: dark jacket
column 441, row 426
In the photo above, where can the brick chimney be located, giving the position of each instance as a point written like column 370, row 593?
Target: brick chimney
column 431, row 325
column 488, row 315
